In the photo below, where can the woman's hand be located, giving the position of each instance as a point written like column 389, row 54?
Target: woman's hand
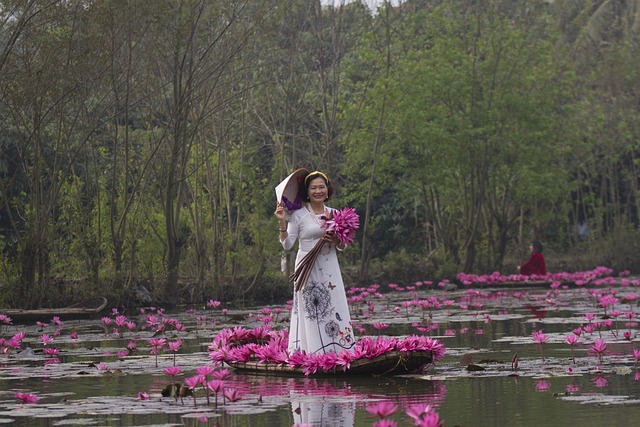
column 330, row 237
column 279, row 213
column 282, row 220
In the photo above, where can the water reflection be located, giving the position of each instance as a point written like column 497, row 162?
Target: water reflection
column 571, row 385
column 321, row 413
column 339, row 402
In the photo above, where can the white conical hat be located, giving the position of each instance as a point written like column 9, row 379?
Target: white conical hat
column 288, row 191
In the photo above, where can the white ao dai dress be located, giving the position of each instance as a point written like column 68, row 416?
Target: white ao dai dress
column 320, row 319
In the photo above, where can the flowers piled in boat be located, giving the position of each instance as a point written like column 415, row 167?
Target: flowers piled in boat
column 234, row 346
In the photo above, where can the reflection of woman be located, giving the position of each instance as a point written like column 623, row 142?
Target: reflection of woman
column 320, row 320
column 322, row 403
column 536, row 264
column 311, row 411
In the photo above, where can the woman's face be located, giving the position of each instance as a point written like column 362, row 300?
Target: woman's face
column 317, row 190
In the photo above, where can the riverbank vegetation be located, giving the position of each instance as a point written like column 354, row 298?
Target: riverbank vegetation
column 140, row 142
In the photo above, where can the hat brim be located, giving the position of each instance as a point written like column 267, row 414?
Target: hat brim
column 288, row 191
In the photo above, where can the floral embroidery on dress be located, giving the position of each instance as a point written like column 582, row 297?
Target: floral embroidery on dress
column 332, row 329
column 317, row 301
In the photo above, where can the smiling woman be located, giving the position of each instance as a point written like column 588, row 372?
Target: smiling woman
column 319, row 297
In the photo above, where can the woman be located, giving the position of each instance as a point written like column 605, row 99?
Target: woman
column 320, row 319
column 536, row 264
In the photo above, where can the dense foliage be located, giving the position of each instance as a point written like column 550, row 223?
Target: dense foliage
column 140, row 142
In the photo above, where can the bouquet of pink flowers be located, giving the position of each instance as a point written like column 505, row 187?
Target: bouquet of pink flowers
column 343, row 224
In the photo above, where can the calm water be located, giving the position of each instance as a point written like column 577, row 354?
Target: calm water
column 486, row 330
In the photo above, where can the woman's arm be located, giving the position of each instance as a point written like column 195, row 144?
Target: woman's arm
column 287, row 230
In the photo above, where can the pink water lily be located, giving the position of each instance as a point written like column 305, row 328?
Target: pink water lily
column 173, row 371
column 599, row 347
column 380, row 326
column 4, row 320
column 205, row 371
column 636, row 355
column 343, row 224
column 572, row 340
column 156, row 345
column 216, row 386
column 46, row 339
column 191, row 383
column 26, row 398
column 174, row 346
column 51, row 352
column 232, row 395
column 312, row 364
column 540, row 338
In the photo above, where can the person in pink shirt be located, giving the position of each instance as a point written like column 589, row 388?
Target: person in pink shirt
column 536, row 264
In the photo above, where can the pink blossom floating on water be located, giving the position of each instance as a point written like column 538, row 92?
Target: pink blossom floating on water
column 540, row 338
column 191, row 383
column 157, row 344
column 46, row 339
column 173, row 371
column 26, row 398
column 213, row 304
column 5, row 320
column 51, row 352
column 596, row 276
column 232, row 395
column 380, row 326
column 221, row 374
column 599, row 347
column 205, row 371
column 175, row 347
column 216, row 386
column 572, row 340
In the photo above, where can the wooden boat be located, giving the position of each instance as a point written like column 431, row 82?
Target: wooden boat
column 391, row 363
column 82, row 309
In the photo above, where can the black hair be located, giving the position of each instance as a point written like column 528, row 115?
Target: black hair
column 304, row 189
column 537, row 246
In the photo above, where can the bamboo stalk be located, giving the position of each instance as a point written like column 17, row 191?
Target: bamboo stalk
column 303, row 270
